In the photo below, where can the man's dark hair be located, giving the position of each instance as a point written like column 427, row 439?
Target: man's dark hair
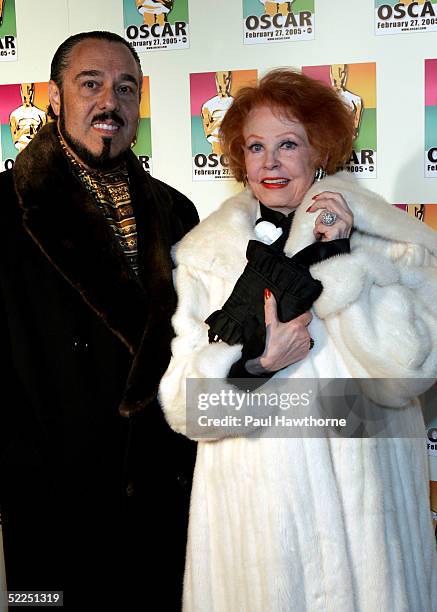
column 60, row 59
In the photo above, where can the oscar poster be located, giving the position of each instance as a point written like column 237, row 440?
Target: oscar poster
column 431, row 118
column 156, row 25
column 8, row 31
column 211, row 95
column 272, row 22
column 23, row 111
column 143, row 143
column 356, row 84
column 394, row 17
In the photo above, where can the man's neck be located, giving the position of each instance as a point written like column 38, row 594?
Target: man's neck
column 81, row 163
column 72, row 153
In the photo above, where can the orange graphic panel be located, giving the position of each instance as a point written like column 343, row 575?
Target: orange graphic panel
column 362, row 78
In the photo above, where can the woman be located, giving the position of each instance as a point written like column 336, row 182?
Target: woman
column 308, row 524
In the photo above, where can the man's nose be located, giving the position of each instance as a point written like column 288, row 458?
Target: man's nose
column 108, row 99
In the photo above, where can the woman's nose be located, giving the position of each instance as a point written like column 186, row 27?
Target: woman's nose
column 271, row 160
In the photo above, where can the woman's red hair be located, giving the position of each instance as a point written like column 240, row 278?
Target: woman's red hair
column 327, row 120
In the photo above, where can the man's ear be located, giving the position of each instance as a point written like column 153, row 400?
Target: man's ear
column 55, row 97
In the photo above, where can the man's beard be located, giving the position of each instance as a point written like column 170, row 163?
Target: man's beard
column 103, row 161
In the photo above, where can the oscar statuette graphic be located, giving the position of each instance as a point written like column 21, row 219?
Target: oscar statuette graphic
column 215, row 109
column 27, row 119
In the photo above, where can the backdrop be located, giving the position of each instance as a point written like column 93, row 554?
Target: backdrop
column 380, row 54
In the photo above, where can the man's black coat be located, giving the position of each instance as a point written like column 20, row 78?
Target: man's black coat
column 91, row 476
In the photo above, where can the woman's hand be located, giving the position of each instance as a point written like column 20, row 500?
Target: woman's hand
column 286, row 343
column 334, row 202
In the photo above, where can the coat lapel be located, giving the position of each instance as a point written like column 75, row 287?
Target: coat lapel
column 152, row 207
column 234, row 221
column 373, row 216
column 64, row 221
column 232, row 224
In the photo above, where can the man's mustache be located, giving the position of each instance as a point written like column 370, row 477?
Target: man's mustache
column 109, row 115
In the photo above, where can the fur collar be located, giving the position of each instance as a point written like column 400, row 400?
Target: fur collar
column 233, row 223
column 63, row 220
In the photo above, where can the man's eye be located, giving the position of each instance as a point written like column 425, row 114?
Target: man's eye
column 125, row 89
column 90, row 84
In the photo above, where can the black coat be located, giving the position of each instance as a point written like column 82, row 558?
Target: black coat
column 90, row 475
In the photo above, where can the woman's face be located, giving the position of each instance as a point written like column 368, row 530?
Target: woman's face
column 279, row 159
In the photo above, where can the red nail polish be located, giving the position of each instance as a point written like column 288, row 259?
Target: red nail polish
column 316, row 196
column 309, row 208
column 267, row 294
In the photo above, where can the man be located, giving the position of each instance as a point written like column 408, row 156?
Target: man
column 154, row 11
column 94, row 486
column 214, row 109
column 27, row 119
column 338, row 74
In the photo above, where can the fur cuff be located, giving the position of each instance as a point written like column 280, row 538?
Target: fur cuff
column 345, row 276
column 212, row 362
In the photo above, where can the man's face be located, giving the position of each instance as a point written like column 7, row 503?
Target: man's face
column 98, row 106
column 223, row 81
column 27, row 93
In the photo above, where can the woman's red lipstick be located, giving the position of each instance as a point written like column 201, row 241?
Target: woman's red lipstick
column 277, row 182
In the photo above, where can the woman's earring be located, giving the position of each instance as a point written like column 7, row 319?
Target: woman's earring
column 319, row 174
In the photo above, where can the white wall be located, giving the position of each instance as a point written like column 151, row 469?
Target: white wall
column 344, row 34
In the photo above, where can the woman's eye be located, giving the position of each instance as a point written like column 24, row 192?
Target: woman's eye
column 288, row 144
column 255, row 147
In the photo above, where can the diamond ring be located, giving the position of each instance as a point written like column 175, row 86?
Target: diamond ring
column 328, row 217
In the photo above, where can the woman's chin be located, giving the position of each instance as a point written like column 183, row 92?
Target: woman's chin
column 279, row 205
column 279, row 199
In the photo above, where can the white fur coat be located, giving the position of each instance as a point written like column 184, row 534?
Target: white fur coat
column 314, row 525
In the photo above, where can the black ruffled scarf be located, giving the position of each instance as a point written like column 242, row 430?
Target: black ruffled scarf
column 241, row 319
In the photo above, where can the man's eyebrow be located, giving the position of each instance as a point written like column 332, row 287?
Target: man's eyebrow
column 128, row 77
column 90, row 73
column 125, row 76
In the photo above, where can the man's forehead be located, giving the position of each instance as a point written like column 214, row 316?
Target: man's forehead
column 102, row 56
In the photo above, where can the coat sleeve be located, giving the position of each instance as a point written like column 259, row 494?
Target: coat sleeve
column 192, row 355
column 185, row 215
column 382, row 312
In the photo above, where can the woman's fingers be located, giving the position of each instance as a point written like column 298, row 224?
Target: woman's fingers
column 335, row 203
column 271, row 311
column 304, row 318
column 339, row 229
column 270, row 308
column 335, row 199
column 286, row 343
